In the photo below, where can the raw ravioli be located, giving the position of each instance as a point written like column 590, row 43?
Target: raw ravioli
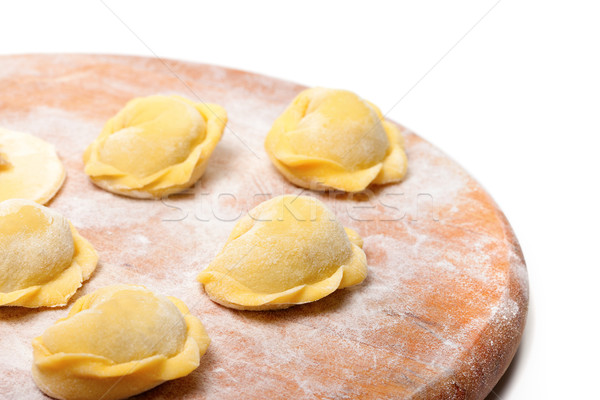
column 332, row 139
column 117, row 342
column 29, row 168
column 288, row 250
column 43, row 259
column 155, row 146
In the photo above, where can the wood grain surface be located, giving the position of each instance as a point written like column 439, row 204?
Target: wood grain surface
column 439, row 316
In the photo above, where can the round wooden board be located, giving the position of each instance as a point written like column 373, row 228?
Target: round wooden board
column 439, row 316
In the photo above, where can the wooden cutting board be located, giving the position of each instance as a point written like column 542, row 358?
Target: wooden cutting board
column 439, row 316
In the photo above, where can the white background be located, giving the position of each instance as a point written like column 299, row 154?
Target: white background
column 516, row 101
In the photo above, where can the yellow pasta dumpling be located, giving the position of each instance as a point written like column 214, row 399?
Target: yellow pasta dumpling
column 43, row 259
column 332, row 139
column 155, row 146
column 117, row 342
column 29, row 168
column 288, row 250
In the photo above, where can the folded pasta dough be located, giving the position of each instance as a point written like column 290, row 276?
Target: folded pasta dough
column 288, row 250
column 155, row 146
column 332, row 139
column 29, row 168
column 43, row 259
column 117, row 342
